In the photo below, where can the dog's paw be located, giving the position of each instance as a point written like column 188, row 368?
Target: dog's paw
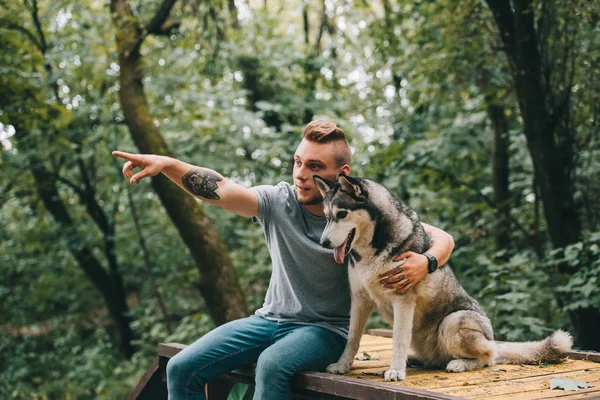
column 394, row 375
column 338, row 368
column 457, row 366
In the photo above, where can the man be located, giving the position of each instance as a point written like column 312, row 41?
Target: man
column 303, row 323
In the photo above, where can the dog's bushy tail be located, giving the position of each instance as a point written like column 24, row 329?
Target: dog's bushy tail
column 551, row 349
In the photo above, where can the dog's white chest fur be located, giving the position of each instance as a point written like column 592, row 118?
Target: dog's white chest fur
column 364, row 276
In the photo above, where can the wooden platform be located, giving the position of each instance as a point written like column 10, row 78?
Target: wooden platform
column 365, row 381
column 497, row 382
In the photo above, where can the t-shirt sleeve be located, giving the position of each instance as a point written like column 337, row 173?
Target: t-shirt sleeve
column 269, row 197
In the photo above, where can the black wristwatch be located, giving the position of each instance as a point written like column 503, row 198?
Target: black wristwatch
column 432, row 263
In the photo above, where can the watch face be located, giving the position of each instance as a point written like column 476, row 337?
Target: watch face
column 432, row 264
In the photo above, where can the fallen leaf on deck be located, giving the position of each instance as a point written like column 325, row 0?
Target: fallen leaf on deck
column 568, row 384
column 366, row 356
column 379, row 374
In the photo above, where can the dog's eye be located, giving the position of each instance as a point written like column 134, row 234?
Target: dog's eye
column 341, row 214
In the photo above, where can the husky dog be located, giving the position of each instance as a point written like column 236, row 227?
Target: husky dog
column 367, row 226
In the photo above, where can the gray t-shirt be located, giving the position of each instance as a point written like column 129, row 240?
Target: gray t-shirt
column 307, row 286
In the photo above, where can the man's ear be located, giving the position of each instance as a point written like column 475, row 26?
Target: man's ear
column 347, row 185
column 345, row 170
column 323, row 185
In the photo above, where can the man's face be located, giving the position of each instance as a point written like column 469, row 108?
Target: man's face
column 310, row 159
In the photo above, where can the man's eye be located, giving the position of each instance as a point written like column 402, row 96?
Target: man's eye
column 341, row 214
column 314, row 167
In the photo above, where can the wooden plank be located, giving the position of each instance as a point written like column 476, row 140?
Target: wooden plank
column 365, row 380
column 217, row 389
column 327, row 383
column 155, row 387
column 150, row 371
column 492, row 379
column 550, row 394
column 380, row 332
column 353, row 388
column 346, row 387
column 436, row 379
column 169, row 350
column 521, row 388
column 589, row 355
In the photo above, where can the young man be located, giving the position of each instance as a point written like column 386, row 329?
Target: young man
column 303, row 323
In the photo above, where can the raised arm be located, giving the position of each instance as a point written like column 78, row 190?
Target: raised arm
column 204, row 183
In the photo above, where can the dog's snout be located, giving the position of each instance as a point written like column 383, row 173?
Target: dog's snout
column 326, row 243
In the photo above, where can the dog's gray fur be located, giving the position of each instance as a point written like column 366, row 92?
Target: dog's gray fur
column 441, row 323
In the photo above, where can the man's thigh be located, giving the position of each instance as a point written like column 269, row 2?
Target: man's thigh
column 304, row 348
column 223, row 349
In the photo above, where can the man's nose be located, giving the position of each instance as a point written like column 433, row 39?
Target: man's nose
column 326, row 243
column 301, row 173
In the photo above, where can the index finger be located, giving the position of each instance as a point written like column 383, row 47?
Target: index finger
column 126, row 156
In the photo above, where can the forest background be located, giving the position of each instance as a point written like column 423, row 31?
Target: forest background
column 482, row 114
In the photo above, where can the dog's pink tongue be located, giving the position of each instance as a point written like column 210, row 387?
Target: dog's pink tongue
column 339, row 254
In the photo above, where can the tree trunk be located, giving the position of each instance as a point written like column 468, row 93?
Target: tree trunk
column 500, row 160
column 305, row 24
column 110, row 286
column 219, row 284
column 233, row 14
column 550, row 162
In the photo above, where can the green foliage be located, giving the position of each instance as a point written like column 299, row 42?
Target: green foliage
column 400, row 79
column 582, row 288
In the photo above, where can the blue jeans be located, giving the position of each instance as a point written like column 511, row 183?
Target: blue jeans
column 279, row 349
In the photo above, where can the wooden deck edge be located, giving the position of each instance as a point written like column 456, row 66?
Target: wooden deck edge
column 348, row 387
column 150, row 371
column 170, row 349
column 380, row 332
column 321, row 382
column 589, row 355
column 354, row 388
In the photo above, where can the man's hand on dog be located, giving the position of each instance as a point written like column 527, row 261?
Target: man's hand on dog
column 407, row 274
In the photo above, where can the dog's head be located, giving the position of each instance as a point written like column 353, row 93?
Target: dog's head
column 345, row 203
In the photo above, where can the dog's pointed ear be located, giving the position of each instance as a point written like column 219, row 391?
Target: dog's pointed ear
column 348, row 186
column 323, row 185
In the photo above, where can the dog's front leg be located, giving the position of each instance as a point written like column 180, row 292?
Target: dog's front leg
column 404, row 310
column 360, row 309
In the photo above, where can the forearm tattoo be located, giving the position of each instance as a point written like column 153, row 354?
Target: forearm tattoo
column 202, row 183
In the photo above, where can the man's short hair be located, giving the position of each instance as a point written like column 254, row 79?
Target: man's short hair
column 322, row 131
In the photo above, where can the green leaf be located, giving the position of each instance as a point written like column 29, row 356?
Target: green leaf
column 240, row 391
column 366, row 356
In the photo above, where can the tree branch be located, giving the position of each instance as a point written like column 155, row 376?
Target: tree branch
column 324, row 23
column 148, row 263
column 476, row 190
column 70, row 184
column 503, row 15
column 16, row 27
column 38, row 26
column 305, row 23
column 155, row 26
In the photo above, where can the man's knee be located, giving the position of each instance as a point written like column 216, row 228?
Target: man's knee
column 180, row 371
column 269, row 368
